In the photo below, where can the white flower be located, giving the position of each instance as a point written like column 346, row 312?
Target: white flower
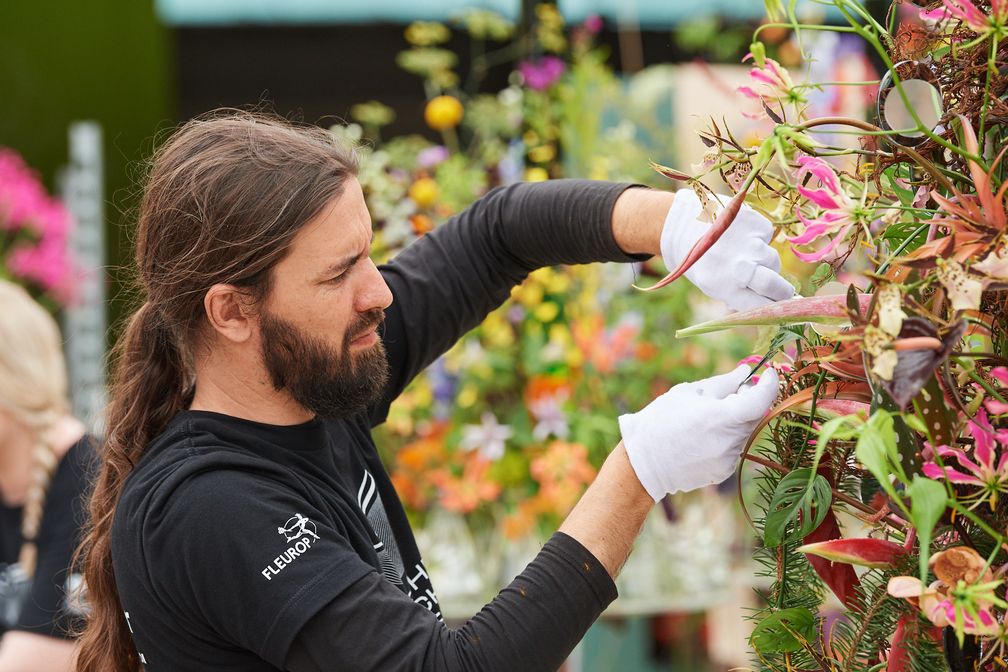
column 488, row 437
column 550, row 418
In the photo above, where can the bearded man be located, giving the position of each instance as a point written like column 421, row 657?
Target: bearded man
column 242, row 519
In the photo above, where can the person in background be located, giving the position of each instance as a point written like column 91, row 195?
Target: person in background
column 44, row 459
column 242, row 519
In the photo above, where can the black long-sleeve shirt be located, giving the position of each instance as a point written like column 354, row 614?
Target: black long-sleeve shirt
column 244, row 546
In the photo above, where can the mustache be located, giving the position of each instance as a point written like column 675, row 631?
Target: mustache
column 365, row 322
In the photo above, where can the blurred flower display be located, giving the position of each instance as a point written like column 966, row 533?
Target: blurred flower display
column 34, row 230
column 510, row 426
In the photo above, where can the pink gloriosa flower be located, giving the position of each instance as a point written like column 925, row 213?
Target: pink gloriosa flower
column 836, row 212
column 986, row 470
column 975, row 18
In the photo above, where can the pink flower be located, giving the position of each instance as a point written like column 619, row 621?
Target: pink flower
column 972, row 16
column 772, row 85
column 1000, row 374
column 593, row 24
column 836, row 213
column 986, row 471
column 542, row 74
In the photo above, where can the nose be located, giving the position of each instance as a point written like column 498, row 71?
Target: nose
column 375, row 292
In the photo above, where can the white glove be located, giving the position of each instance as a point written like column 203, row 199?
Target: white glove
column 741, row 268
column 693, row 434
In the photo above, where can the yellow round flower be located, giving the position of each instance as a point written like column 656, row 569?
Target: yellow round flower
column 536, row 174
column 424, row 192
column 443, row 112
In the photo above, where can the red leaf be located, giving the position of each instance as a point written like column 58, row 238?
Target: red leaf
column 899, row 652
column 839, row 576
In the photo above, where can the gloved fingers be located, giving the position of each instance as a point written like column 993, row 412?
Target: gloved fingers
column 764, row 255
column 767, row 282
column 719, row 387
column 754, row 224
column 752, row 403
column 746, row 299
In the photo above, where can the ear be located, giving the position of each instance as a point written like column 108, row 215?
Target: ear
column 229, row 311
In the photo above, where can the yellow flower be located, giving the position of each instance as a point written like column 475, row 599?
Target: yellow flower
column 424, row 192
column 443, row 112
column 536, row 174
column 542, row 153
column 547, row 312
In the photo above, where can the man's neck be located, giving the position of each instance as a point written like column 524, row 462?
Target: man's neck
column 240, row 387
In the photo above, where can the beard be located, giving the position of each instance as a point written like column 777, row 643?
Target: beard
column 332, row 383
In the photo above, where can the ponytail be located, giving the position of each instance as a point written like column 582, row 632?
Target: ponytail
column 149, row 386
column 222, row 201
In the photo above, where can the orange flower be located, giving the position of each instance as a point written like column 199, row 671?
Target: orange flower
column 562, row 471
column 464, row 493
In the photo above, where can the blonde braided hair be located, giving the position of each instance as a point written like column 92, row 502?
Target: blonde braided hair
column 33, row 391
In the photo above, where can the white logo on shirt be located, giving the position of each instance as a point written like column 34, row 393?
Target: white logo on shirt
column 298, row 529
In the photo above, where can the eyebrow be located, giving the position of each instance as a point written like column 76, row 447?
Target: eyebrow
column 341, row 266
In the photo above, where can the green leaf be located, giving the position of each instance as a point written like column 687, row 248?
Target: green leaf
column 798, row 493
column 928, row 501
column 784, row 631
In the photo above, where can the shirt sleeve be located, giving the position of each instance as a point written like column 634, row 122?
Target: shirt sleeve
column 532, row 625
column 50, row 609
column 248, row 558
column 447, row 281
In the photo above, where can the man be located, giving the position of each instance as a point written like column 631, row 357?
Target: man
column 242, row 519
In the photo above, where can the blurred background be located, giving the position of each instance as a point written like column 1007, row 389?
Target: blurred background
column 495, row 442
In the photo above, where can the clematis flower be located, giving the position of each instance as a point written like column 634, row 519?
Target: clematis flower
column 963, row 595
column 836, row 212
column 542, row 74
column 550, row 417
column 987, row 470
column 771, row 84
column 995, row 23
column 488, row 437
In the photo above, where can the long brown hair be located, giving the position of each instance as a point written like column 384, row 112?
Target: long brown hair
column 223, row 199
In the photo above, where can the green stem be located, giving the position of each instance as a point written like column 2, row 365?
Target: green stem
column 976, row 520
column 986, row 386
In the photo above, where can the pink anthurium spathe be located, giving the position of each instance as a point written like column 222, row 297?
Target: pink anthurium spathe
column 864, row 552
column 830, row 309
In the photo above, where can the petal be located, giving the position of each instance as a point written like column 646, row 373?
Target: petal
column 821, row 170
column 983, row 435
column 997, row 408
column 933, row 471
column 819, row 254
column 824, row 199
column 905, row 586
column 748, row 92
column 1000, row 373
column 811, row 232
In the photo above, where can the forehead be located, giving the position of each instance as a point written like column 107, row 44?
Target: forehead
column 341, row 229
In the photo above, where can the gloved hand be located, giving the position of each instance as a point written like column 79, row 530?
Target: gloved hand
column 693, row 434
column 740, row 269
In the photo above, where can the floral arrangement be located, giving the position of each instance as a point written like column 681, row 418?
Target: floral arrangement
column 510, row 426
column 880, row 471
column 34, row 228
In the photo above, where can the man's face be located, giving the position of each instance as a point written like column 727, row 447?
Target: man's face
column 317, row 327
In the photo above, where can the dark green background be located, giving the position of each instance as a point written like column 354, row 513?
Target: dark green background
column 104, row 60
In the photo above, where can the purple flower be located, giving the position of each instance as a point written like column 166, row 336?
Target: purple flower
column 431, row 156
column 542, row 74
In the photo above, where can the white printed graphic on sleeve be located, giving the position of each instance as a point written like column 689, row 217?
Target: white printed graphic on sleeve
column 417, row 584
column 300, row 532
